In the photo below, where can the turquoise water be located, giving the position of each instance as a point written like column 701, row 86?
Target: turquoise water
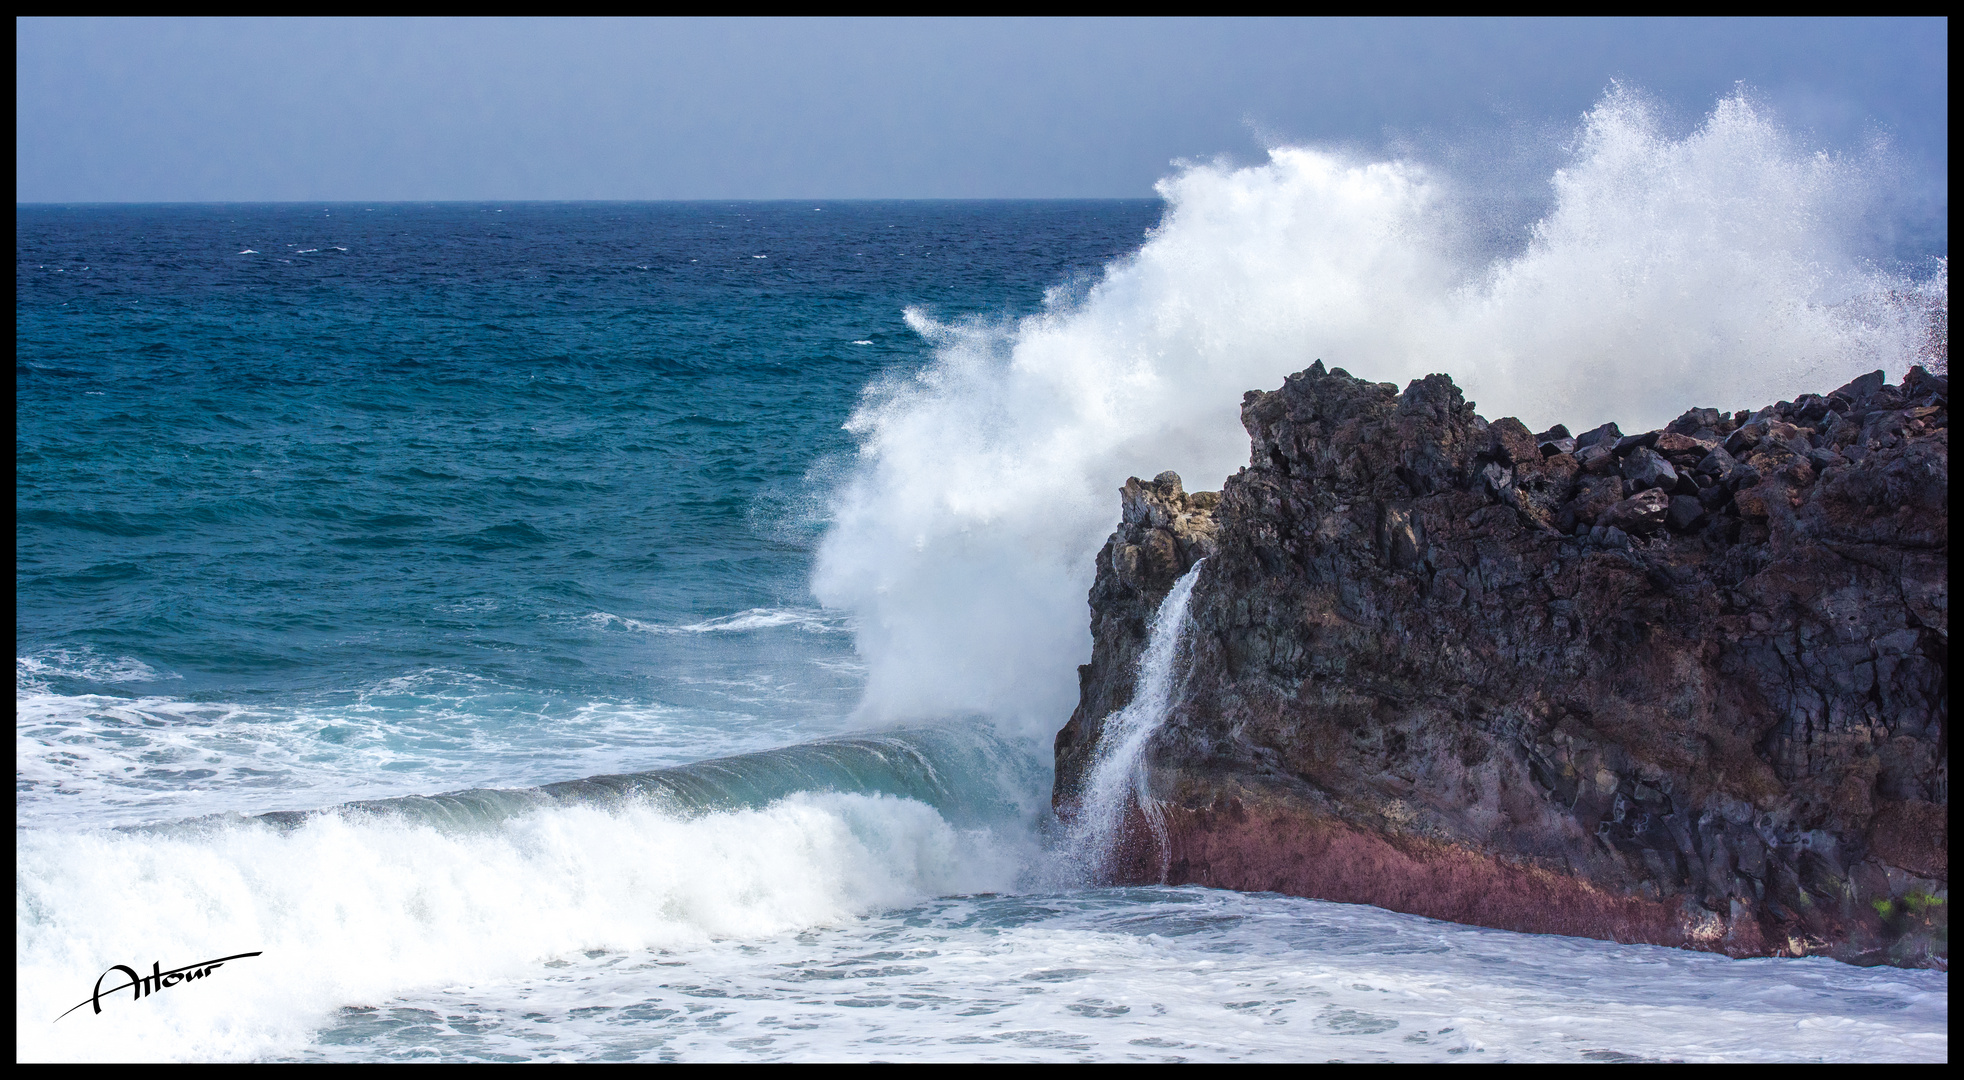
column 424, row 496
column 428, row 599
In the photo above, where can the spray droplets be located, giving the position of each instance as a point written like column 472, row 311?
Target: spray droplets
column 1716, row 269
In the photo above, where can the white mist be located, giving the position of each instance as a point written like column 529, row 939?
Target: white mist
column 1710, row 270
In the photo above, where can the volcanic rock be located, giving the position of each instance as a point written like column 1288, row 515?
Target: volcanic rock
column 1685, row 512
column 1162, row 532
column 1608, row 435
column 1640, row 514
column 1646, row 468
column 1403, row 687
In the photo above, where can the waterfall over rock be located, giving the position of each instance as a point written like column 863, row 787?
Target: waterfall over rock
column 1113, row 785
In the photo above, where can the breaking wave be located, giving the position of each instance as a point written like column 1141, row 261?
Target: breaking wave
column 1719, row 268
column 360, row 903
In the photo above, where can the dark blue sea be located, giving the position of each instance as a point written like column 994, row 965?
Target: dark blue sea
column 633, row 631
column 455, row 495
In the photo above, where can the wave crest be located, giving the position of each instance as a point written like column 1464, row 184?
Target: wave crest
column 1714, row 269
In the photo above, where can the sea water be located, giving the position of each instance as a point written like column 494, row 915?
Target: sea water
column 611, row 631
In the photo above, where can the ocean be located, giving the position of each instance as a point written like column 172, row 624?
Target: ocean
column 552, row 631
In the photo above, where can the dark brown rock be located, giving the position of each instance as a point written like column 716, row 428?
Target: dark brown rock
column 1858, row 391
column 1597, row 460
column 1705, row 424
column 1646, row 468
column 1640, row 514
column 1556, row 440
column 1631, row 443
column 1513, row 445
column 1607, row 435
column 1406, row 689
column 1162, row 532
column 1717, row 464
column 1592, row 497
column 1685, row 513
column 1683, row 451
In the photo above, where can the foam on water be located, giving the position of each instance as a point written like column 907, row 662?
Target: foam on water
column 819, row 900
column 105, row 760
column 810, row 620
column 36, row 673
column 1716, row 269
column 1160, row 975
column 358, row 909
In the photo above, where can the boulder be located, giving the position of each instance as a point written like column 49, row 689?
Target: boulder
column 1556, row 440
column 1646, row 468
column 1683, row 451
column 1858, row 391
column 1593, row 496
column 1597, row 459
column 1696, row 423
column 1640, row 514
column 1608, row 434
column 1629, row 444
column 1718, row 464
column 1512, row 444
column 1686, row 512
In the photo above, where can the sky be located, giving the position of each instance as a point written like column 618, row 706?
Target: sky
column 176, row 110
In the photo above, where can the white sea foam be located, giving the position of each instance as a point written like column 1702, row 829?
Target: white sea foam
column 1166, row 975
column 810, row 620
column 1714, row 269
column 358, row 911
column 32, row 674
column 960, row 556
column 92, row 759
column 1149, row 974
column 97, row 759
column 807, row 619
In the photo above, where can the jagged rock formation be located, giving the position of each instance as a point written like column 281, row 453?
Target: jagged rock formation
column 1162, row 532
column 1687, row 687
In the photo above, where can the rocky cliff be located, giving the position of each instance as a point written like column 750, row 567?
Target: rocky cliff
column 1686, row 687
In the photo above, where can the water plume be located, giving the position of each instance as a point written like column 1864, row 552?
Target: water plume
column 1719, row 269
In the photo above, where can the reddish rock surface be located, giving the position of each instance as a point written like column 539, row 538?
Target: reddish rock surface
column 1687, row 687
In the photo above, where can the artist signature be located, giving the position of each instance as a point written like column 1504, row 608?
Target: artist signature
column 141, row 986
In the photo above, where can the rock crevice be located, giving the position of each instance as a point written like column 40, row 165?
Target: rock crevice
column 1686, row 687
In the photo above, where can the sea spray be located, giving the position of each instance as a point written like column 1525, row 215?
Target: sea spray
column 1720, row 268
column 1116, row 780
column 542, row 598
column 355, row 909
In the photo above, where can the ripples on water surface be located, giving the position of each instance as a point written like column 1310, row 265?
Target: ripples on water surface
column 1164, row 975
column 519, row 502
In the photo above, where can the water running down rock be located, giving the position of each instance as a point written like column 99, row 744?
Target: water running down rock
column 1687, row 687
column 1115, row 782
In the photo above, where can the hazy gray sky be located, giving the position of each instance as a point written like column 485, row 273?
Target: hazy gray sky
column 334, row 109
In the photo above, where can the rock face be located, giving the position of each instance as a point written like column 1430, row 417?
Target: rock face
column 1162, row 532
column 1687, row 687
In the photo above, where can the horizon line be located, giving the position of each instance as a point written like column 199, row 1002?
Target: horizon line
column 562, row 202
